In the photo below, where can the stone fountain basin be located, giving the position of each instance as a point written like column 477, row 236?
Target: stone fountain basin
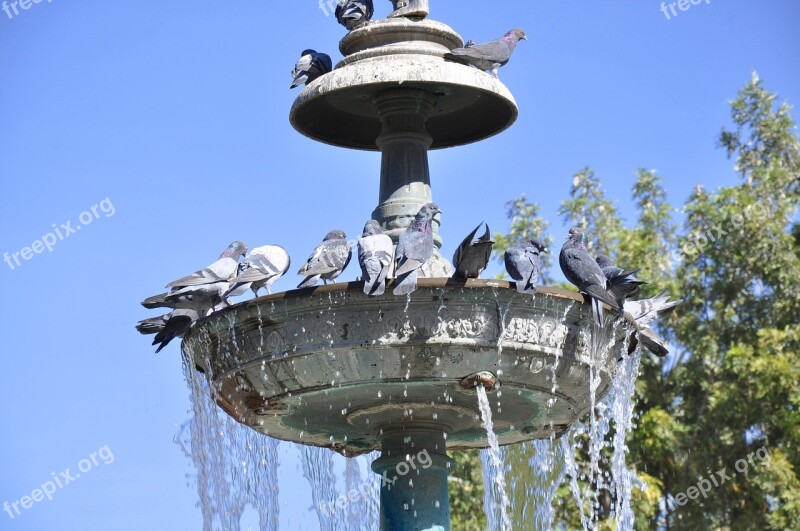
column 331, row 367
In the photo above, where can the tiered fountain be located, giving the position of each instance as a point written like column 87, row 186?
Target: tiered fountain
column 331, row 367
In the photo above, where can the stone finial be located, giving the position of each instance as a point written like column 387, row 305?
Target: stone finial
column 410, row 8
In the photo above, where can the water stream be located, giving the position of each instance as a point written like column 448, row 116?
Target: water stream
column 493, row 469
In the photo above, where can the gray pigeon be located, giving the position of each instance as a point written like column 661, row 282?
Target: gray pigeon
column 169, row 326
column 469, row 44
column 204, row 289
column 310, row 66
column 622, row 283
column 645, row 312
column 415, row 9
column 353, row 13
column 523, row 263
column 375, row 255
column 489, row 56
column 327, row 261
column 414, row 248
column 582, row 270
column 472, row 256
column 262, row 267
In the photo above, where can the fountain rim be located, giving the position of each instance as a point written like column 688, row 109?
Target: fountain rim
column 436, row 282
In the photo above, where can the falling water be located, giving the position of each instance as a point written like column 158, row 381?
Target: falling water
column 494, row 473
column 318, row 470
column 235, row 466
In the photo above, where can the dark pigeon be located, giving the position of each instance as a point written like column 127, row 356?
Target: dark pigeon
column 622, row 282
column 414, row 248
column 489, row 56
column 354, row 13
column 645, row 312
column 523, row 263
column 310, row 66
column 472, row 256
column 582, row 270
column 327, row 261
column 204, row 289
column 260, row 269
column 169, row 326
column 375, row 256
column 469, row 44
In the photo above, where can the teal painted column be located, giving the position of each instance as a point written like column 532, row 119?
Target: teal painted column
column 414, row 467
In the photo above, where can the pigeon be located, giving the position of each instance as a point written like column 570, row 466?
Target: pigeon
column 415, row 9
column 645, row 312
column 260, row 269
column 169, row 326
column 523, row 263
column 581, row 269
column 469, row 44
column 375, row 255
column 203, row 289
column 327, row 261
column 472, row 256
column 353, row 13
column 310, row 66
column 414, row 248
column 622, row 283
column 489, row 56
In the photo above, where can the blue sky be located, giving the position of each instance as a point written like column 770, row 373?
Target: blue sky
column 176, row 114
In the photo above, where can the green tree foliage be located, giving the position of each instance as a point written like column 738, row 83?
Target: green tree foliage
column 732, row 384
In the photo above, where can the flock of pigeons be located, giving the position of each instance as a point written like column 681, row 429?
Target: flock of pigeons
column 209, row 289
column 351, row 14
column 197, row 295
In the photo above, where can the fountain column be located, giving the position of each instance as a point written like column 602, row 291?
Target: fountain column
column 414, row 467
column 404, row 143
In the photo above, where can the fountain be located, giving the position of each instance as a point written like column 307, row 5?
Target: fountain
column 331, row 367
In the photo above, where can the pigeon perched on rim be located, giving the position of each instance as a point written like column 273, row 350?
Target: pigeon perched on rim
column 168, row 326
column 645, row 312
column 261, row 268
column 582, row 270
column 204, row 289
column 310, row 66
column 622, row 282
column 375, row 256
column 414, row 248
column 327, row 261
column 523, row 263
column 489, row 56
column 472, row 255
column 354, row 13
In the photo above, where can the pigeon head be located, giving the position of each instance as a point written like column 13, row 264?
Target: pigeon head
column 335, row 235
column 516, row 35
column 577, row 235
column 603, row 261
column 542, row 248
column 427, row 212
column 372, row 228
column 235, row 250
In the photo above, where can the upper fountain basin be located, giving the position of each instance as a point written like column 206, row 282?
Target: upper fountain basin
column 338, row 108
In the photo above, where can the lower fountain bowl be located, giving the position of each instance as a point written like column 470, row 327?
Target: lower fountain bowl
column 331, row 367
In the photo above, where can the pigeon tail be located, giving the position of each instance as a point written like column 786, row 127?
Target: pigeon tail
column 309, row 281
column 652, row 342
column 406, row 284
column 156, row 301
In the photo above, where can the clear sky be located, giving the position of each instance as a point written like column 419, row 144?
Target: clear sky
column 171, row 120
